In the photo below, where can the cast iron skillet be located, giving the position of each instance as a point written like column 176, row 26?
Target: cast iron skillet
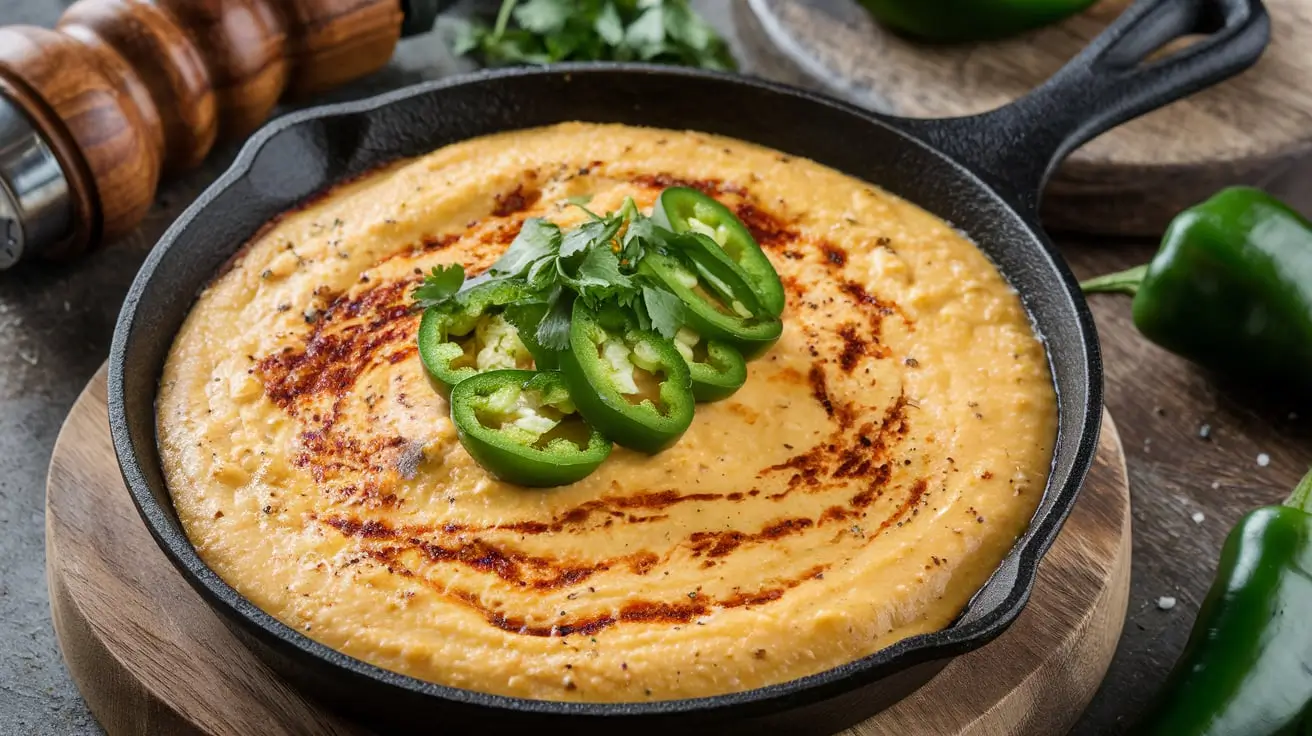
column 983, row 174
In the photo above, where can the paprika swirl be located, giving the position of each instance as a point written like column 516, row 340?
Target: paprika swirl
column 877, row 465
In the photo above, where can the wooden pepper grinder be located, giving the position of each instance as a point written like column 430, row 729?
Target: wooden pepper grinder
column 123, row 91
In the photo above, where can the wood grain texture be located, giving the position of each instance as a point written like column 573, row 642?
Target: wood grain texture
column 83, row 86
column 244, row 45
column 168, row 63
column 124, row 89
column 150, row 657
column 335, row 41
column 1130, row 181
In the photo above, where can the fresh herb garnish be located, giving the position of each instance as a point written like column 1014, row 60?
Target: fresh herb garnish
column 546, row 31
column 537, row 241
column 442, row 284
column 598, row 230
column 606, row 309
column 599, row 277
column 663, row 309
column 553, row 331
column 596, row 261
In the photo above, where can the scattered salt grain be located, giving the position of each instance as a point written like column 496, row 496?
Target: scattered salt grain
column 1216, row 484
column 1198, row 517
column 1205, row 431
column 1263, row 459
column 1166, row 603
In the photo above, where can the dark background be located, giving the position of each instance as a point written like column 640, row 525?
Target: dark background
column 56, row 322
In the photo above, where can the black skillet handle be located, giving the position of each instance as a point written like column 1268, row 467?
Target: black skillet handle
column 1016, row 147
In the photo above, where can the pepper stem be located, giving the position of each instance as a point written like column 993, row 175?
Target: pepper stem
column 1124, row 282
column 1301, row 498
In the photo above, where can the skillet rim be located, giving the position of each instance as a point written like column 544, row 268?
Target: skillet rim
column 967, row 633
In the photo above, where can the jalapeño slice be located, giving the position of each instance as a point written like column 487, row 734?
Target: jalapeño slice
column 471, row 334
column 687, row 210
column 630, row 384
column 716, row 368
column 720, row 304
column 522, row 427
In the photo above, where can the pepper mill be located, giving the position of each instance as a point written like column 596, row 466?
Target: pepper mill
column 121, row 92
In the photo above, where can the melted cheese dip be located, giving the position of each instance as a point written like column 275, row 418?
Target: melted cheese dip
column 877, row 466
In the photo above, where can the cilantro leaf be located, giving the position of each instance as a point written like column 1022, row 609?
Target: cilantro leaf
column 592, row 261
column 599, row 278
column 515, row 46
column 525, row 316
column 536, row 239
column 561, row 46
column 440, row 285
column 602, row 265
column 686, row 27
column 467, row 37
column 643, row 233
column 541, row 273
column 646, row 35
column 664, row 309
column 544, row 16
column 546, row 31
column 553, row 330
column 598, row 232
column 577, row 240
column 609, row 26
column 644, row 319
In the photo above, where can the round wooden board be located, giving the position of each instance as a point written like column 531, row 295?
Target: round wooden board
column 150, row 657
column 1130, row 181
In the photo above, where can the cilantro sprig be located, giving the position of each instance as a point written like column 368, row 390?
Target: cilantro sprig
column 546, row 31
column 596, row 261
column 440, row 285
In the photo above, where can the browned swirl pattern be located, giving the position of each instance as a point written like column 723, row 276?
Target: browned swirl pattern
column 373, row 327
column 877, row 464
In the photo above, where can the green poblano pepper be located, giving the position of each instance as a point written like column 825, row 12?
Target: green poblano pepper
column 1247, row 669
column 1230, row 289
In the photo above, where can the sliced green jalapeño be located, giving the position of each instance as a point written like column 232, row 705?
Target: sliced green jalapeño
column 683, row 210
column 716, row 368
column 471, row 334
column 720, row 304
column 632, row 385
column 523, row 428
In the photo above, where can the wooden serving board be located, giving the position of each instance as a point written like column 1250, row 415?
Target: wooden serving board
column 151, row 658
column 1129, row 181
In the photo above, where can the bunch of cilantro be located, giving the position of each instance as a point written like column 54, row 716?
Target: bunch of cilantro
column 596, row 262
column 546, row 31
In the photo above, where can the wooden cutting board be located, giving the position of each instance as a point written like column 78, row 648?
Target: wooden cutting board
column 151, row 658
column 1129, row 181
